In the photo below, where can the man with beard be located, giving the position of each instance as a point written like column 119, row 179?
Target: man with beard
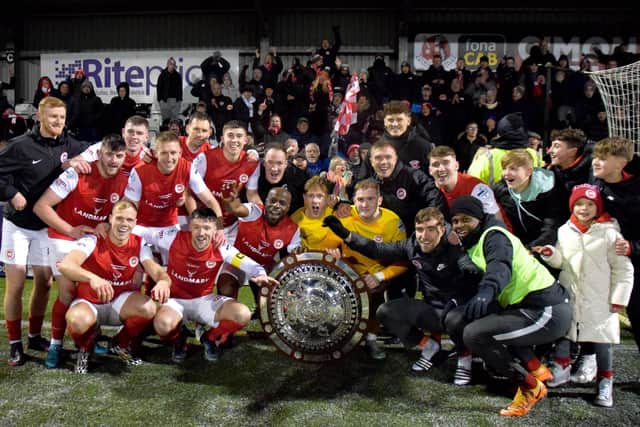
column 263, row 234
column 276, row 171
column 518, row 304
column 446, row 277
column 194, row 262
column 82, row 203
column 411, row 146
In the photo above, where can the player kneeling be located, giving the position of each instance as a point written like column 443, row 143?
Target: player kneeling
column 194, row 262
column 104, row 271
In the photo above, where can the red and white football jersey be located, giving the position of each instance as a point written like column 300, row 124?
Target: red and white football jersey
column 87, row 199
column 117, row 264
column 193, row 273
column 217, row 171
column 186, row 151
column 262, row 241
column 157, row 194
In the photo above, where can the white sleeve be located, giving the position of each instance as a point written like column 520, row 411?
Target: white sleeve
column 200, row 164
column 295, row 241
column 65, row 183
column 252, row 184
column 91, row 153
column 255, row 212
column 133, row 191
column 196, row 182
column 145, row 251
column 233, row 256
column 485, row 194
column 86, row 244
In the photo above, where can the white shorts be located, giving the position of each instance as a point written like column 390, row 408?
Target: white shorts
column 202, row 309
column 24, row 247
column 58, row 248
column 106, row 314
column 147, row 232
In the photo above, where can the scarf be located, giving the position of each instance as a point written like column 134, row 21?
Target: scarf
column 274, row 129
column 583, row 228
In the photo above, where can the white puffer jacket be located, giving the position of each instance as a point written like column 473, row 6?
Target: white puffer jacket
column 596, row 278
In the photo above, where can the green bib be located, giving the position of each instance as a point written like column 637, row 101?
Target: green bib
column 527, row 274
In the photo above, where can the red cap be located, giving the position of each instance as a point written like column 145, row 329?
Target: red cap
column 351, row 148
column 587, row 191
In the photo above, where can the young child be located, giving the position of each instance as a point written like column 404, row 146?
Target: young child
column 599, row 281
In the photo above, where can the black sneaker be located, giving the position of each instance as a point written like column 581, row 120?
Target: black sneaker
column 211, row 350
column 38, row 343
column 374, row 350
column 16, row 355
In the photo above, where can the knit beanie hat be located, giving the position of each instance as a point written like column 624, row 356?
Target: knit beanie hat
column 467, row 205
column 587, row 191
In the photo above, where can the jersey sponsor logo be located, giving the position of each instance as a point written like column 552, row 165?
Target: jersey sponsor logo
column 179, row 188
column 415, row 164
column 114, row 197
column 133, row 261
column 210, row 264
column 63, row 157
column 190, row 280
column 244, row 178
column 401, row 193
column 278, row 244
column 90, row 216
column 377, row 238
column 10, row 254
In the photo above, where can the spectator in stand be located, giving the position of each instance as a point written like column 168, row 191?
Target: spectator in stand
column 76, row 82
column 467, row 145
column 405, row 84
column 380, row 80
column 303, row 135
column 256, row 80
column 315, row 164
column 429, row 120
column 562, row 111
column 90, row 110
column 219, row 107
column 44, row 89
column 228, row 88
column 320, row 96
column 65, row 93
column 271, row 68
column 436, row 76
column 243, row 107
column 120, row 109
column 328, row 52
column 456, row 112
column 11, row 84
column 488, row 107
column 597, row 128
column 295, row 96
column 587, row 104
column 11, row 125
column 461, row 74
column 507, row 78
column 169, row 91
column 342, row 78
column 520, row 104
column 274, row 133
column 483, row 67
column 215, row 67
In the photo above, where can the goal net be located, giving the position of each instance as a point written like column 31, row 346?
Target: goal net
column 620, row 91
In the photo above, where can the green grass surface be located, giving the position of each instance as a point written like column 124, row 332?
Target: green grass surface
column 253, row 384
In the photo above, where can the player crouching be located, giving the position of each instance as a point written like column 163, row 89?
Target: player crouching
column 104, row 269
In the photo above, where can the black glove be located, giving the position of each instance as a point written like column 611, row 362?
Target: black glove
column 478, row 306
column 336, row 226
column 467, row 267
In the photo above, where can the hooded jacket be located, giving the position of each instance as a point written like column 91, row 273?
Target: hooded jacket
column 120, row 109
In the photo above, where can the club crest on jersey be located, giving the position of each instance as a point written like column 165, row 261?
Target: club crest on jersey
column 133, row 261
column 179, row 188
column 377, row 238
column 10, row 254
column 243, row 178
column 210, row 264
column 414, row 164
column 401, row 193
column 63, row 157
column 278, row 244
column 114, row 197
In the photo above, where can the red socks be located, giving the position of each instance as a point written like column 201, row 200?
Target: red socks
column 225, row 327
column 605, row 374
column 85, row 341
column 530, row 382
column 58, row 320
column 173, row 335
column 35, row 325
column 533, row 364
column 562, row 361
column 14, row 330
column 133, row 327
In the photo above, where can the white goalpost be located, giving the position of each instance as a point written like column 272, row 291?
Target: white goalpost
column 620, row 91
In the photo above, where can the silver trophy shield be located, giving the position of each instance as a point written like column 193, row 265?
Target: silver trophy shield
column 319, row 311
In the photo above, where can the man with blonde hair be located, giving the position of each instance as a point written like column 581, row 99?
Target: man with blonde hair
column 28, row 165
